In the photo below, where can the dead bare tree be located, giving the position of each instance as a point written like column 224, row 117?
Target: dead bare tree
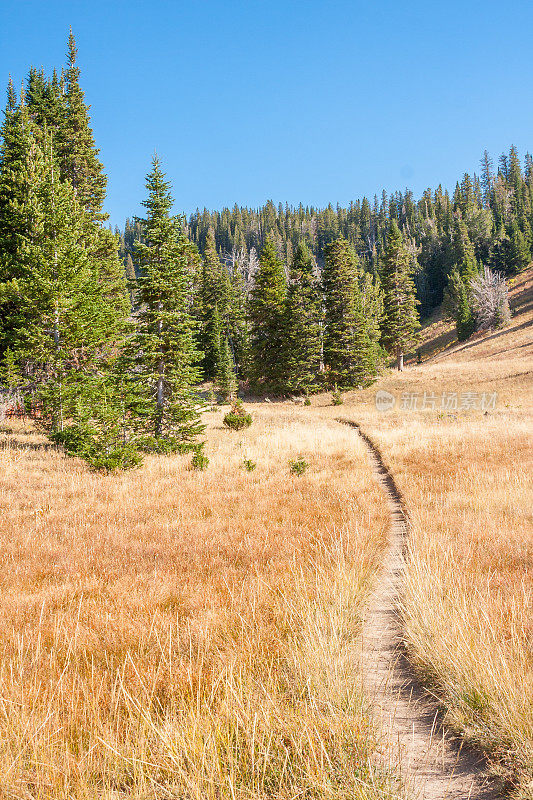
column 490, row 300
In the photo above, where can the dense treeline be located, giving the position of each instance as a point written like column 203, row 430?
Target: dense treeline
column 487, row 223
column 490, row 214
column 105, row 336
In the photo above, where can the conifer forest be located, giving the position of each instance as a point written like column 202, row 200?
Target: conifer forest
column 109, row 338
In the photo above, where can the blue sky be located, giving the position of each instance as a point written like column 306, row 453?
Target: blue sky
column 312, row 101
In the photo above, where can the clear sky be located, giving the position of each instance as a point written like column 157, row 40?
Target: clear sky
column 317, row 102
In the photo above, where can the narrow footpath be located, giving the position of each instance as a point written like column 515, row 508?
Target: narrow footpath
column 431, row 762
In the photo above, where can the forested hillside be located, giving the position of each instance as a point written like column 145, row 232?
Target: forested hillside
column 489, row 215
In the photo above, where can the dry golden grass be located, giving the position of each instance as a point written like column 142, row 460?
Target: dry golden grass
column 467, row 479
column 169, row 633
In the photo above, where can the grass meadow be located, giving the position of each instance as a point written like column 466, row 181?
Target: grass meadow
column 172, row 633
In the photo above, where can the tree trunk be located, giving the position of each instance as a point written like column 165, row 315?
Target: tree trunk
column 399, row 359
column 160, row 378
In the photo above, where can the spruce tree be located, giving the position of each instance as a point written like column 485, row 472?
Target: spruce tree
column 267, row 318
column 518, row 253
column 457, row 305
column 58, row 321
column 225, row 378
column 400, row 318
column 239, row 333
column 79, row 155
column 463, row 254
column 17, row 141
column 464, row 268
column 161, row 360
column 215, row 306
column 303, row 342
column 352, row 308
column 80, row 165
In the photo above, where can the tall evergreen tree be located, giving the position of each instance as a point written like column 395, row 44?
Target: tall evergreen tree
column 267, row 316
column 352, row 306
column 225, row 377
column 58, row 321
column 17, row 141
column 400, row 318
column 162, row 360
column 462, row 251
column 464, row 268
column 303, row 338
column 215, row 306
column 79, row 155
column 518, row 253
column 457, row 304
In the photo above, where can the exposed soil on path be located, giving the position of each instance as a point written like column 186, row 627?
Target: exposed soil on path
column 432, row 763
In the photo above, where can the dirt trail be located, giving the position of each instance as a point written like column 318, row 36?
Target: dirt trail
column 433, row 764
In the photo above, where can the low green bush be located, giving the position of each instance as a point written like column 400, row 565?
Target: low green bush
column 102, row 453
column 199, row 461
column 336, row 397
column 238, row 417
column 298, row 466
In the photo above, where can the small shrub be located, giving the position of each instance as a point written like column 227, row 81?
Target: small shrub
column 298, row 466
column 199, row 461
column 307, row 399
column 248, row 464
column 238, row 417
column 336, row 397
column 118, row 458
column 102, row 453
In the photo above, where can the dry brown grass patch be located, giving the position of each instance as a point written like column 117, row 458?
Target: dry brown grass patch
column 169, row 633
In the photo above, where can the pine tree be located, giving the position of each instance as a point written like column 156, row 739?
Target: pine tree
column 161, row 361
column 79, row 155
column 226, row 379
column 518, row 253
column 352, row 307
column 57, row 319
column 215, row 306
column 303, row 324
column 400, row 318
column 267, row 316
column 463, row 269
